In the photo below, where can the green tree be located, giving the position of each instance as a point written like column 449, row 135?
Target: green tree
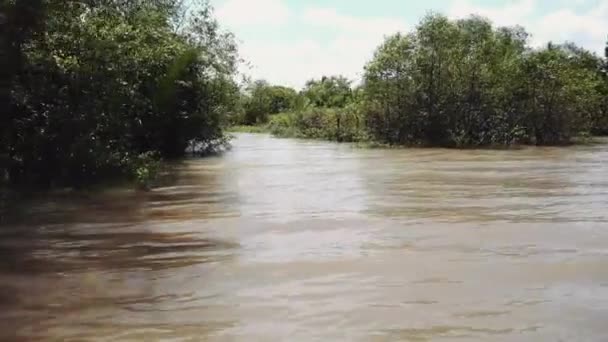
column 262, row 100
column 328, row 92
column 98, row 87
column 560, row 95
column 466, row 83
column 600, row 125
column 593, row 63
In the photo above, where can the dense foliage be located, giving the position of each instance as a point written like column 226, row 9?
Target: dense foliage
column 460, row 83
column 600, row 120
column 329, row 92
column 261, row 100
column 102, row 88
column 465, row 83
column 339, row 124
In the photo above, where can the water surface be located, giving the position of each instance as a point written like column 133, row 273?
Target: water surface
column 295, row 240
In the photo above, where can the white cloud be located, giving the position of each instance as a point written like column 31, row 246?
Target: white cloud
column 513, row 13
column 294, row 63
column 353, row 40
column 283, row 63
column 586, row 28
column 247, row 13
column 329, row 17
column 349, row 41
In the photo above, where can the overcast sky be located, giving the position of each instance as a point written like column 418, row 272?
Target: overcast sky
column 290, row 41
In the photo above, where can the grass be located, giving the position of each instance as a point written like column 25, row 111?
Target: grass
column 367, row 143
column 248, row 129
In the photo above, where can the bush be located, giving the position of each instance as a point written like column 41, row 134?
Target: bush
column 144, row 168
column 261, row 100
column 339, row 124
column 466, row 83
column 93, row 84
column 283, row 125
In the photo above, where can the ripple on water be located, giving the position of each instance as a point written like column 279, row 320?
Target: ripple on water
column 284, row 239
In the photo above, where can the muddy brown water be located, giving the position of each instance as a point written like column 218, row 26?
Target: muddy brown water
column 289, row 240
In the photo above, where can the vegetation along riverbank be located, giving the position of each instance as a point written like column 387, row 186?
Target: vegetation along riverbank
column 462, row 83
column 101, row 90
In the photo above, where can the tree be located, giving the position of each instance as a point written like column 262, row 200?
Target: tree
column 328, row 92
column 584, row 59
column 561, row 94
column 600, row 124
column 390, row 89
column 18, row 21
column 466, row 83
column 100, row 86
column 262, row 100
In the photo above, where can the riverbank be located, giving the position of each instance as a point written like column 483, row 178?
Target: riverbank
column 248, row 129
column 363, row 140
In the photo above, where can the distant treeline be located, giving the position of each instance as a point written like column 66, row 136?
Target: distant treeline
column 98, row 89
column 461, row 83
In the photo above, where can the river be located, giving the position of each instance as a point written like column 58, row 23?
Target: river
column 291, row 240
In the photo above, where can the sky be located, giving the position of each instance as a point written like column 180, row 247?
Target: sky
column 288, row 42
